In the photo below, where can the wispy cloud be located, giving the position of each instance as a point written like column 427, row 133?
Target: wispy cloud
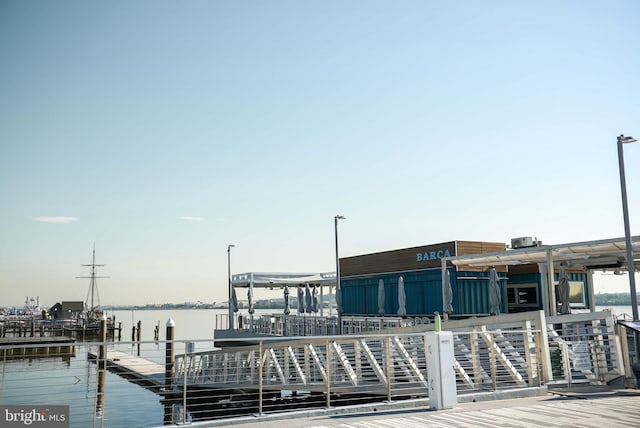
column 57, row 219
column 190, row 218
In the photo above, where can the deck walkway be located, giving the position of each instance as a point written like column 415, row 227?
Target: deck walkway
column 613, row 408
column 139, row 370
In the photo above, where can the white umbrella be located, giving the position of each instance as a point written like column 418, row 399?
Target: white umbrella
column 563, row 290
column 494, row 292
column 381, row 297
column 448, row 294
column 287, row 308
column 402, row 298
column 300, row 300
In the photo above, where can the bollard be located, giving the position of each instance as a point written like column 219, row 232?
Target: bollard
column 102, row 365
column 139, row 336
column 168, row 369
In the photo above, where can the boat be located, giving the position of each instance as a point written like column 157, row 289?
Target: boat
column 88, row 321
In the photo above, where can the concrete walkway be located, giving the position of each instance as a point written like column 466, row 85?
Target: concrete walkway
column 594, row 408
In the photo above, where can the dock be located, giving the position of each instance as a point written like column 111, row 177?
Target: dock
column 18, row 347
column 140, row 371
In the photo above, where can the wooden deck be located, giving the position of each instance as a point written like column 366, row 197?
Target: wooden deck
column 617, row 409
column 141, row 371
column 17, row 341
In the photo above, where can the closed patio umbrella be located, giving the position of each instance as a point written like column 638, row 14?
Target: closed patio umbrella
column 314, row 306
column 448, row 294
column 494, row 292
column 287, row 308
column 308, row 298
column 250, row 299
column 300, row 300
column 402, row 298
column 234, row 300
column 563, row 290
column 381, row 297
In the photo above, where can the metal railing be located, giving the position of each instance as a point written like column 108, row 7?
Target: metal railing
column 135, row 386
column 585, row 348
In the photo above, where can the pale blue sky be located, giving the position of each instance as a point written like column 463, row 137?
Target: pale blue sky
column 167, row 130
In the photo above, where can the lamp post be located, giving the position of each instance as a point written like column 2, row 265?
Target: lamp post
column 230, row 290
column 627, row 233
column 338, row 288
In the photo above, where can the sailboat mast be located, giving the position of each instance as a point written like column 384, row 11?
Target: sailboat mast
column 93, row 284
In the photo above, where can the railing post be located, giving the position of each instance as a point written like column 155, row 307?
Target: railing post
column 388, row 365
column 260, row 350
column 184, row 383
column 328, row 371
column 542, row 346
column 102, row 366
column 492, row 361
column 526, row 341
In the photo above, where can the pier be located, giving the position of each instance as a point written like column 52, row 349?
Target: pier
column 18, row 347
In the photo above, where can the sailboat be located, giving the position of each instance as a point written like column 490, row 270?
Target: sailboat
column 93, row 312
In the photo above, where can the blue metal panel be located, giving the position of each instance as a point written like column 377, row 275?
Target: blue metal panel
column 423, row 290
column 472, row 291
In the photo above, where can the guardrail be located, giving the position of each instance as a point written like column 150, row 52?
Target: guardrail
column 131, row 384
column 278, row 375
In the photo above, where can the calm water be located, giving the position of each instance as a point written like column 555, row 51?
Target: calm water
column 71, row 380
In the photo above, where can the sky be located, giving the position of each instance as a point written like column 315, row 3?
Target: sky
column 164, row 131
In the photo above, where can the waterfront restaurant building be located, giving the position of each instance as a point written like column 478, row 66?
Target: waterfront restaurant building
column 525, row 282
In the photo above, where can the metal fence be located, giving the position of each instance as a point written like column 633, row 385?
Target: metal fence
column 130, row 383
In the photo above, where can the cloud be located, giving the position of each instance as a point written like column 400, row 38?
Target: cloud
column 58, row 219
column 190, row 218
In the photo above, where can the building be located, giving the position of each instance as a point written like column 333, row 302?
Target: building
column 525, row 282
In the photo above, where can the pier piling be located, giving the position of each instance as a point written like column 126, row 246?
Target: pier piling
column 168, row 367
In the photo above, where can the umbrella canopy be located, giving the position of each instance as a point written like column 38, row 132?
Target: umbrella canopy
column 287, row 308
column 381, row 297
column 234, row 300
column 339, row 300
column 315, row 299
column 494, row 292
column 250, row 299
column 308, row 298
column 563, row 290
column 448, row 294
column 300, row 300
column 402, row 298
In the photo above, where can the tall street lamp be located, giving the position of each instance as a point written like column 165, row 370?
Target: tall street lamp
column 627, row 233
column 230, row 290
column 338, row 288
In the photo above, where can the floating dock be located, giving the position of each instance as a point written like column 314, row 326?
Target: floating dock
column 140, row 371
column 17, row 347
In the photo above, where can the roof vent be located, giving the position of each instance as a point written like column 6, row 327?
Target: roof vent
column 524, row 242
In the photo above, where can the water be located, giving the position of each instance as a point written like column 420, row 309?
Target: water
column 71, row 379
column 617, row 310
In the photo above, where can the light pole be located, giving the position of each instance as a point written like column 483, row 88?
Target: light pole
column 230, row 290
column 338, row 288
column 627, row 232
